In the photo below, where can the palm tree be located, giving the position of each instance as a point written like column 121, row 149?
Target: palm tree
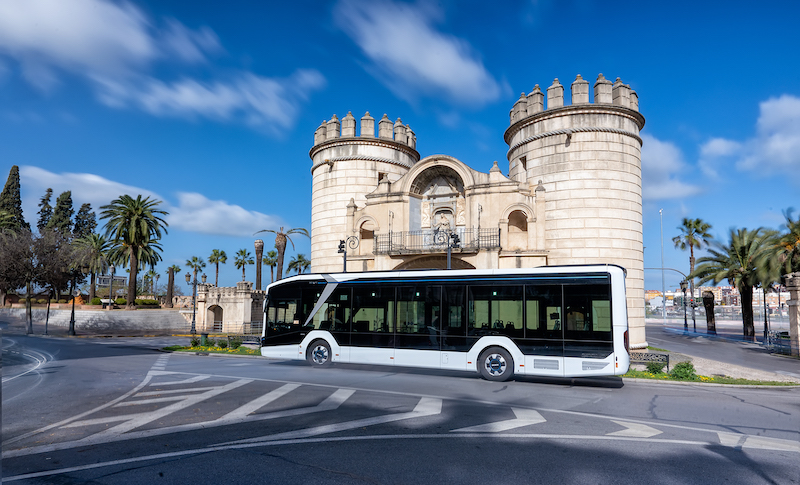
column 788, row 246
column 271, row 260
column 134, row 226
column 217, row 257
column 243, row 258
column 195, row 264
column 280, row 243
column 151, row 277
column 176, row 270
column 741, row 262
column 299, row 263
column 694, row 234
column 93, row 253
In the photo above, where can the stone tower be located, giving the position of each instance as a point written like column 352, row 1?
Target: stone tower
column 588, row 156
column 345, row 168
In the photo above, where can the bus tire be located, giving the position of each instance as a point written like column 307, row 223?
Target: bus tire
column 319, row 354
column 496, row 364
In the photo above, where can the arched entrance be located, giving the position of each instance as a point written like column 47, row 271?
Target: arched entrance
column 214, row 318
column 434, row 262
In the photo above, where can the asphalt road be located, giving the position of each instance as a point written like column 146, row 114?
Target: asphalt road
column 721, row 349
column 118, row 411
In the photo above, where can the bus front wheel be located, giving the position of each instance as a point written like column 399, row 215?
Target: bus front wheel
column 496, row 364
column 319, row 354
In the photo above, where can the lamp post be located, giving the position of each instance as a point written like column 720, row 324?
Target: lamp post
column 75, row 294
column 194, row 296
column 110, row 287
column 352, row 243
column 446, row 237
column 259, row 244
column 684, row 285
column 663, row 285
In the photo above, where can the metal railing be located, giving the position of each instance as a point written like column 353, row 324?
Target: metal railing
column 778, row 342
column 427, row 241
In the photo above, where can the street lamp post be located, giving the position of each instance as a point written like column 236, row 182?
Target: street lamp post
column 352, row 243
column 684, row 284
column 663, row 284
column 110, row 287
column 446, row 237
column 75, row 294
column 194, row 296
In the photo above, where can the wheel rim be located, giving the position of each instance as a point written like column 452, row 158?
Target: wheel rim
column 495, row 364
column 320, row 354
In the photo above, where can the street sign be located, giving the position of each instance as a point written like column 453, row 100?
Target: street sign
column 105, row 280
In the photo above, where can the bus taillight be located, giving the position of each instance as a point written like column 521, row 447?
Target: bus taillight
column 627, row 349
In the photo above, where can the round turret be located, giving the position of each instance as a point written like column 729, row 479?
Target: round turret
column 345, row 167
column 588, row 158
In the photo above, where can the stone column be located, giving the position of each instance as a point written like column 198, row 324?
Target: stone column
column 259, row 259
column 793, row 285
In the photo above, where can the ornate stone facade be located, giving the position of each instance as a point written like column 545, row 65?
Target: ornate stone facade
column 572, row 193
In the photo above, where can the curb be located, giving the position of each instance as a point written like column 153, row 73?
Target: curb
column 709, row 384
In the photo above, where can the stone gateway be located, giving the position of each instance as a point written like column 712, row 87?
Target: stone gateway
column 572, row 193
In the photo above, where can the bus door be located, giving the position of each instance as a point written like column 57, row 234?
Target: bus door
column 372, row 337
column 418, row 332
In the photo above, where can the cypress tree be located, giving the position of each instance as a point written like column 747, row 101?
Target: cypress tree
column 62, row 214
column 45, row 209
column 11, row 202
column 85, row 221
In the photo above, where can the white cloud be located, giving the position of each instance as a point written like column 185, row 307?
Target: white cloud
column 197, row 213
column 776, row 145
column 411, row 56
column 193, row 212
column 81, row 36
column 662, row 165
column 113, row 46
column 715, row 153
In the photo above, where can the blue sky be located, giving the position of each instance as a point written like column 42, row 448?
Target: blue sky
column 212, row 107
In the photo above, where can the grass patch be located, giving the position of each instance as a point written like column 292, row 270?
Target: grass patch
column 657, row 349
column 215, row 350
column 714, row 380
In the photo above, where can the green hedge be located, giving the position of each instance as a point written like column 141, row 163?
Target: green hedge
column 146, row 302
column 121, row 301
column 96, row 301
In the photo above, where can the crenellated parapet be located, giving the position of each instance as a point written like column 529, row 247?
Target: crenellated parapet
column 605, row 93
column 387, row 130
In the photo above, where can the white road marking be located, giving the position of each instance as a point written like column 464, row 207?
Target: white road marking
column 190, row 380
column 525, row 417
column 332, row 402
column 172, row 391
column 635, row 430
column 258, row 403
column 425, row 407
column 155, row 400
column 731, row 439
column 39, row 357
column 774, row 444
column 223, row 447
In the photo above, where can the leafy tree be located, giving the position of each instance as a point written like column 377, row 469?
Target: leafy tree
column 62, row 213
column 45, row 209
column 92, row 252
column 217, row 256
column 281, row 237
column 11, row 202
column 299, row 263
column 85, row 221
column 271, row 260
column 6, row 220
column 55, row 261
column 740, row 262
column 134, row 226
column 16, row 263
column 243, row 258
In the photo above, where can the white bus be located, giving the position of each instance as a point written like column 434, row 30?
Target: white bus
column 564, row 321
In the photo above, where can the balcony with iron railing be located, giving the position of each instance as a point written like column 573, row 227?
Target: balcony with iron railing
column 462, row 239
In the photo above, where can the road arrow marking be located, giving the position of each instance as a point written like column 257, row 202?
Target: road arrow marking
column 634, row 430
column 426, row 406
column 525, row 417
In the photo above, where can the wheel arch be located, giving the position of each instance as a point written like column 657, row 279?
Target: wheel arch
column 496, row 341
column 336, row 349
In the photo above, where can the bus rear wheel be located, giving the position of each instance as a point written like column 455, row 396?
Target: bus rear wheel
column 496, row 364
column 319, row 353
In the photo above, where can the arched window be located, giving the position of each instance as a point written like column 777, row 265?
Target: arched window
column 366, row 235
column 517, row 230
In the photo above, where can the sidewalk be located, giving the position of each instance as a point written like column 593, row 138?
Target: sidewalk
column 726, row 353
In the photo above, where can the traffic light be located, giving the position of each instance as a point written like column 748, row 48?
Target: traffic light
column 341, row 245
column 456, row 240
